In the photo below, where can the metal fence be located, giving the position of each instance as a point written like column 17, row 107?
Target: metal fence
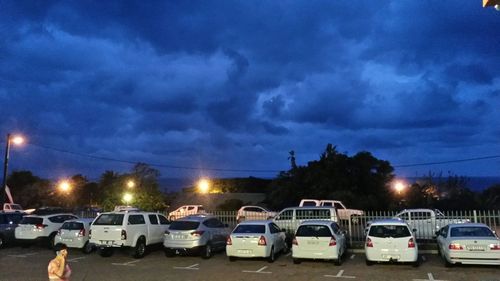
column 424, row 225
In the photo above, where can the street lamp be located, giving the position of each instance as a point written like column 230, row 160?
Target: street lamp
column 399, row 187
column 203, row 186
column 65, row 186
column 130, row 184
column 127, row 198
column 16, row 140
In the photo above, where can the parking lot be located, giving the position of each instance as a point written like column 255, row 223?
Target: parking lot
column 18, row 263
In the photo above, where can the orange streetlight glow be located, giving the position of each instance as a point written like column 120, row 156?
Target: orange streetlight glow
column 130, row 184
column 203, row 186
column 399, row 186
column 64, row 186
column 17, row 140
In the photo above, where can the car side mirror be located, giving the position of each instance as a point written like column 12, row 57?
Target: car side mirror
column 414, row 230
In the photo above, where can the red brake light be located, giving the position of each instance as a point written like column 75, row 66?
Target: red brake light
column 197, row 233
column 369, row 243
column 40, row 226
column 229, row 241
column 411, row 243
column 262, row 241
column 81, row 233
column 494, row 246
column 455, row 246
column 124, row 234
column 333, row 242
column 294, row 242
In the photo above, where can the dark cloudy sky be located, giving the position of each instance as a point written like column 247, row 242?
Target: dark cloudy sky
column 237, row 84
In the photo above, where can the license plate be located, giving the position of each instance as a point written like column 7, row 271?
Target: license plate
column 67, row 239
column 475, row 248
column 312, row 242
column 180, row 236
column 244, row 251
column 394, row 257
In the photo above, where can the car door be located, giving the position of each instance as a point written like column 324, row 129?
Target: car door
column 441, row 238
column 155, row 230
column 277, row 238
column 339, row 237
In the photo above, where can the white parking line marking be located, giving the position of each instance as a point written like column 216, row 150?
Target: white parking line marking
column 191, row 267
column 431, row 278
column 340, row 275
column 76, row 259
column 23, row 255
column 130, row 263
column 261, row 270
column 352, row 257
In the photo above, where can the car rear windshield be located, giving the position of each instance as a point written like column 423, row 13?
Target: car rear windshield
column 109, row 219
column 250, row 228
column 184, row 225
column 471, row 231
column 31, row 220
column 313, row 230
column 395, row 231
column 72, row 225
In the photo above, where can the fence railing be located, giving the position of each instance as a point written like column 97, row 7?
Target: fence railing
column 425, row 225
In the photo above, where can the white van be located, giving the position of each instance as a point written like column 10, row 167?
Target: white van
column 289, row 219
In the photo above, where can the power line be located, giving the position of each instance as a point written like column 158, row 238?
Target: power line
column 150, row 164
column 447, row 162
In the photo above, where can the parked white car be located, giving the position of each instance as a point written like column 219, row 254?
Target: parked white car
column 254, row 213
column 259, row 238
column 391, row 240
column 202, row 234
column 35, row 228
column 468, row 243
column 319, row 240
column 127, row 229
column 186, row 210
column 343, row 212
column 426, row 221
column 75, row 234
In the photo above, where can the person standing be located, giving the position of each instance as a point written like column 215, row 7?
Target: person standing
column 58, row 268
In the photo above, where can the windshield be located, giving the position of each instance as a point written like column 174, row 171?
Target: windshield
column 308, row 203
column 471, row 231
column 314, row 231
column 394, row 231
column 72, row 225
column 109, row 219
column 31, row 220
column 184, row 225
column 250, row 228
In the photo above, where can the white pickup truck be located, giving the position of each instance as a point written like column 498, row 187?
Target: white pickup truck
column 15, row 208
column 344, row 213
column 127, row 229
column 427, row 221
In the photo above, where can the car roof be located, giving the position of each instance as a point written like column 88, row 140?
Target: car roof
column 467, row 224
column 309, row 207
column 388, row 221
column 316, row 222
column 130, row 212
column 82, row 220
column 246, row 206
column 255, row 222
column 49, row 215
column 196, row 218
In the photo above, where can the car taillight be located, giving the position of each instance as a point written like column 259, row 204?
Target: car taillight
column 197, row 233
column 369, row 243
column 294, row 242
column 81, row 233
column 455, row 246
column 262, row 241
column 494, row 246
column 333, row 242
column 229, row 241
column 40, row 226
column 411, row 243
column 124, row 235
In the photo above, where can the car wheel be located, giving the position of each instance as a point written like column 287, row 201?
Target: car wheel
column 272, row 256
column 369, row 262
column 169, row 253
column 52, row 237
column 338, row 260
column 296, row 261
column 105, row 252
column 87, row 248
column 446, row 262
column 140, row 248
column 206, row 251
column 1, row 242
column 232, row 259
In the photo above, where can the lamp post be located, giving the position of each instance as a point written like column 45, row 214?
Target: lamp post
column 17, row 140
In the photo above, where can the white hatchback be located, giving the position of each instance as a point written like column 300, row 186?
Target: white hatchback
column 75, row 234
column 390, row 240
column 319, row 240
column 252, row 239
column 468, row 243
column 34, row 228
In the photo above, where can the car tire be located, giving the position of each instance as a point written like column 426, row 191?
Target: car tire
column 232, row 259
column 446, row 262
column 369, row 262
column 338, row 261
column 105, row 252
column 51, row 241
column 87, row 248
column 206, row 251
column 140, row 248
column 1, row 242
column 296, row 261
column 169, row 253
column 272, row 256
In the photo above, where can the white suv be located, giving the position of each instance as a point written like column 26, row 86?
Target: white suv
column 254, row 213
column 127, row 229
column 33, row 228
